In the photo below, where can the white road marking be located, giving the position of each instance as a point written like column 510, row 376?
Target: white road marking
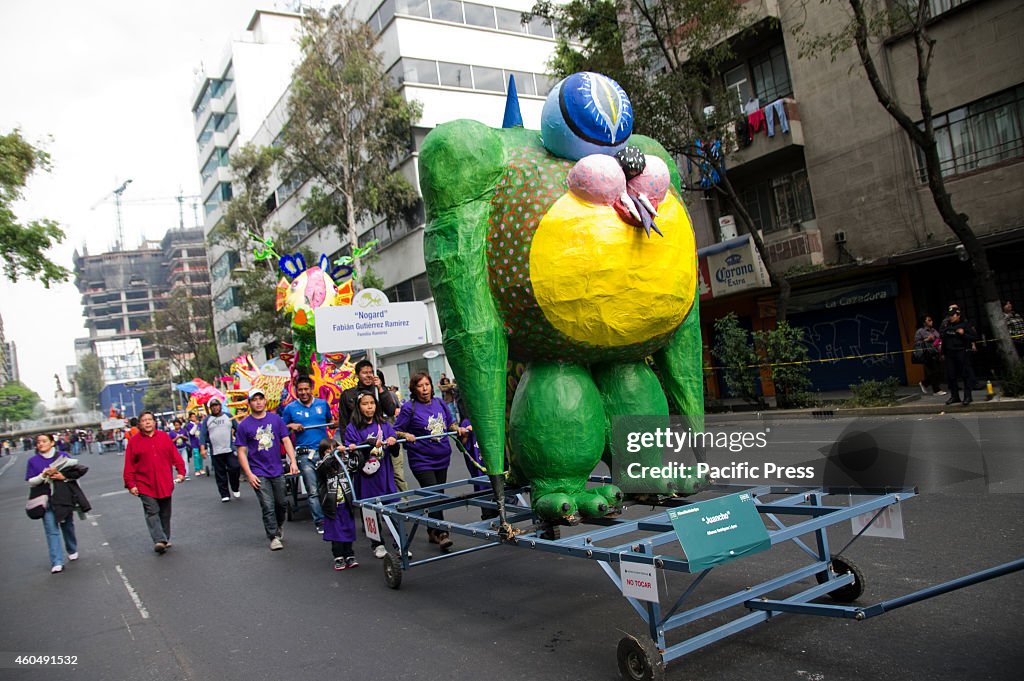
column 110, row 494
column 11, row 462
column 125, row 620
column 131, row 592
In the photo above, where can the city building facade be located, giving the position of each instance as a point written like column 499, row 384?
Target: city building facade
column 229, row 106
column 838, row 190
column 455, row 58
column 123, row 290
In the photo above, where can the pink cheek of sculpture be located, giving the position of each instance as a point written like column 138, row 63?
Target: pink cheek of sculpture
column 316, row 291
column 653, row 182
column 597, row 179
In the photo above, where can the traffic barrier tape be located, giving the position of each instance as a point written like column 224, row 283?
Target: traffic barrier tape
column 840, row 359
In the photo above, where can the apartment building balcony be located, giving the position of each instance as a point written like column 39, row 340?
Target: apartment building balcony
column 796, row 246
column 761, row 145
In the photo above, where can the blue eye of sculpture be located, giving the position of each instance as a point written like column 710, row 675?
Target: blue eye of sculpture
column 596, row 108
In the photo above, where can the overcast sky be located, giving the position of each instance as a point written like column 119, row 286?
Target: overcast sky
column 106, row 87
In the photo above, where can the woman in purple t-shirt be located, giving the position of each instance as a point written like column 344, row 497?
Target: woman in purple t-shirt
column 423, row 415
column 42, row 471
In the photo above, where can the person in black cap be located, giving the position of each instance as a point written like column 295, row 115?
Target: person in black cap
column 958, row 337
column 216, row 437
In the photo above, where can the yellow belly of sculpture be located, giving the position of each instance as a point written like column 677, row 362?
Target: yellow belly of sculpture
column 603, row 282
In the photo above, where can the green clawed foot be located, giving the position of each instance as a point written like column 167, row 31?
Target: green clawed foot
column 688, row 484
column 611, row 495
column 556, row 507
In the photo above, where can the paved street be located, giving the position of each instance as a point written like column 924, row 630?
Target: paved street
column 220, row 605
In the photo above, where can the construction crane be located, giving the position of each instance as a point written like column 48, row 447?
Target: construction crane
column 154, row 201
column 117, row 203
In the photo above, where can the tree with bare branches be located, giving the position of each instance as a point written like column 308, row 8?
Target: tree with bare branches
column 869, row 24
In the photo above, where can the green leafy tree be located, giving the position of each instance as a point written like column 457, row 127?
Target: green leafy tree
column 738, row 360
column 673, row 56
column 89, row 381
column 348, row 128
column 23, row 246
column 158, row 395
column 17, row 402
column 783, row 350
column 910, row 20
column 245, row 229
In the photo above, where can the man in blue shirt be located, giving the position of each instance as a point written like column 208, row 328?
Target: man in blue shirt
column 307, row 419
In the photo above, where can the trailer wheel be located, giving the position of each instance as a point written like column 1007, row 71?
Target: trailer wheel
column 393, row 571
column 850, row 592
column 551, row 532
column 639, row 660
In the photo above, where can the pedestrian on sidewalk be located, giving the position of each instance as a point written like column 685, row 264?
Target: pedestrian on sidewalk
column 307, row 419
column 51, row 473
column 148, row 463
column 261, row 438
column 1015, row 325
column 958, row 337
column 927, row 344
column 216, row 440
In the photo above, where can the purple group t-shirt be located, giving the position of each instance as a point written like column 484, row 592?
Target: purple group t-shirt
column 262, row 440
column 38, row 463
column 426, row 419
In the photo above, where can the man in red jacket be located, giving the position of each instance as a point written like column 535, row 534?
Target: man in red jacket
column 147, row 474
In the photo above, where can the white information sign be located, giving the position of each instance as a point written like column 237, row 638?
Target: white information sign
column 345, row 328
column 888, row 524
column 639, row 580
column 113, row 424
column 371, row 524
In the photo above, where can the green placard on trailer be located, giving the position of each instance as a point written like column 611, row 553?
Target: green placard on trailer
column 716, row 531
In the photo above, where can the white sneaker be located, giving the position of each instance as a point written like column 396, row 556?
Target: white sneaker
column 225, row 498
column 56, row 568
column 275, row 544
column 941, row 392
column 73, row 556
column 380, row 552
column 236, row 493
column 923, row 389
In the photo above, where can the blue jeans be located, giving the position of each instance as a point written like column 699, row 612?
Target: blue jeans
column 272, row 503
column 307, row 469
column 779, row 107
column 67, row 528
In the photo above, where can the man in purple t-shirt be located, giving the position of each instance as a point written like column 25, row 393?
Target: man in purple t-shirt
column 260, row 439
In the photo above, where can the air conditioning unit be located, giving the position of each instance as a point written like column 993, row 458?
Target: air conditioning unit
column 727, row 227
column 840, row 237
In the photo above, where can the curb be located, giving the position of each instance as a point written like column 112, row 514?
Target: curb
column 914, row 408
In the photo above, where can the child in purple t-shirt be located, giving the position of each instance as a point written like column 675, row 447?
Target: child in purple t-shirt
column 377, row 476
column 339, row 526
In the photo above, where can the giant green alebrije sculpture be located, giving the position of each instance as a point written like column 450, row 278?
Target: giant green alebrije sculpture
column 568, row 249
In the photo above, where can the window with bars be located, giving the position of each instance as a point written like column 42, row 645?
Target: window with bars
column 764, row 76
column 979, row 134
column 780, row 202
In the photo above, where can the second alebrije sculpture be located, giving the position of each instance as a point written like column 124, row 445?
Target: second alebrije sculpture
column 569, row 250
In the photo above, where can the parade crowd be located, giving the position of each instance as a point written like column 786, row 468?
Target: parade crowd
column 373, row 435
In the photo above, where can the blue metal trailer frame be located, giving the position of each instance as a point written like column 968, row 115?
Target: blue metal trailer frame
column 804, row 509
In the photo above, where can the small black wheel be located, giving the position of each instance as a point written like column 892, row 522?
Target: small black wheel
column 393, row 571
column 639, row 660
column 551, row 532
column 850, row 592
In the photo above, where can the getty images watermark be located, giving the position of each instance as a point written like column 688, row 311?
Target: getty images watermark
column 662, row 455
